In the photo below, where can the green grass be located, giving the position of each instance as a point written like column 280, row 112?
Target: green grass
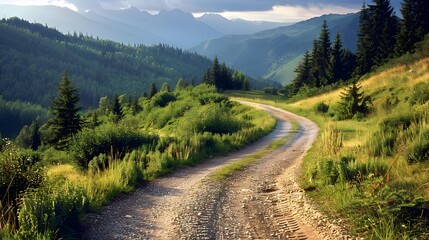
column 247, row 161
column 380, row 191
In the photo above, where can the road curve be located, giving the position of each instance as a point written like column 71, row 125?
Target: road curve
column 185, row 205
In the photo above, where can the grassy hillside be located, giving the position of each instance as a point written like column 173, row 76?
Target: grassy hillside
column 373, row 170
column 33, row 58
column 267, row 52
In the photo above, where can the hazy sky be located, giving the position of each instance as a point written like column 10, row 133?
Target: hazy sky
column 270, row 10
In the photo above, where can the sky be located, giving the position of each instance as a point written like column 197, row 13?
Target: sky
column 268, row 10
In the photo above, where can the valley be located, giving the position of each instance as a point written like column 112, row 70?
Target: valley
column 182, row 120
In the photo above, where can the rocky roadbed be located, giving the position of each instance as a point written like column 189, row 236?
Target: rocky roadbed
column 261, row 202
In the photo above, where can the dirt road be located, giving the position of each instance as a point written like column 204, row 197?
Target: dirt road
column 261, row 202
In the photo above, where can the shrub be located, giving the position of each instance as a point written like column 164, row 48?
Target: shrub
column 209, row 118
column 420, row 94
column 108, row 139
column 18, row 171
column 162, row 99
column 322, row 108
column 271, row 90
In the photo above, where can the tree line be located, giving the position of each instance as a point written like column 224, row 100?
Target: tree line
column 381, row 37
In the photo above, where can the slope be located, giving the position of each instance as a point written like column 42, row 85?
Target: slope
column 265, row 53
column 33, row 58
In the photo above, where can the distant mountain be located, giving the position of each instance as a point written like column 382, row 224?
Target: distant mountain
column 174, row 27
column 34, row 57
column 237, row 26
column 275, row 53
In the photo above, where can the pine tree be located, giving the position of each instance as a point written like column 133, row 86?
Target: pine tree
column 303, row 74
column 414, row 25
column 117, row 109
column 348, row 62
column 36, row 140
column 353, row 101
column 66, row 120
column 336, row 66
column 364, row 52
column 384, row 30
column 322, row 59
column 152, row 90
column 215, row 72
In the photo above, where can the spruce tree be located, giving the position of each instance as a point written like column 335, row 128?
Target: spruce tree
column 364, row 52
column 336, row 66
column 321, row 58
column 303, row 74
column 66, row 120
column 353, row 101
column 324, row 49
column 414, row 25
column 152, row 90
column 116, row 109
column 384, row 30
column 215, row 72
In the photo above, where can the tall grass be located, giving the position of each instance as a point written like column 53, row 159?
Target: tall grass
column 108, row 160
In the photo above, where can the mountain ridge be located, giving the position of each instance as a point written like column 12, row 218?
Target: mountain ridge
column 266, row 53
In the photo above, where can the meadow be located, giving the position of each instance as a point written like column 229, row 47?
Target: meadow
column 47, row 192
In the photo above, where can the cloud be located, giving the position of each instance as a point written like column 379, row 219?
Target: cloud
column 288, row 13
column 60, row 3
column 219, row 5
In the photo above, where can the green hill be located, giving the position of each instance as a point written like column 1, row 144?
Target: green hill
column 33, row 58
column 274, row 53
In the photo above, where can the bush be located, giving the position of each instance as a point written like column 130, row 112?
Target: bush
column 322, row 108
column 162, row 99
column 109, row 139
column 18, row 171
column 271, row 90
column 209, row 118
column 420, row 94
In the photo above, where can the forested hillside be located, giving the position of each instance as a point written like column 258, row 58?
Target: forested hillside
column 33, row 58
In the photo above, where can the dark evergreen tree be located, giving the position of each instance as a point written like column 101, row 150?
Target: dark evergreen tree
column 348, row 64
column 314, row 79
column 414, row 25
column 207, row 78
column 36, row 140
column 321, row 60
column 66, row 120
column 364, row 52
column 337, row 57
column 303, row 74
column 353, row 101
column 215, row 72
column 152, row 90
column 384, row 30
column 116, row 109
